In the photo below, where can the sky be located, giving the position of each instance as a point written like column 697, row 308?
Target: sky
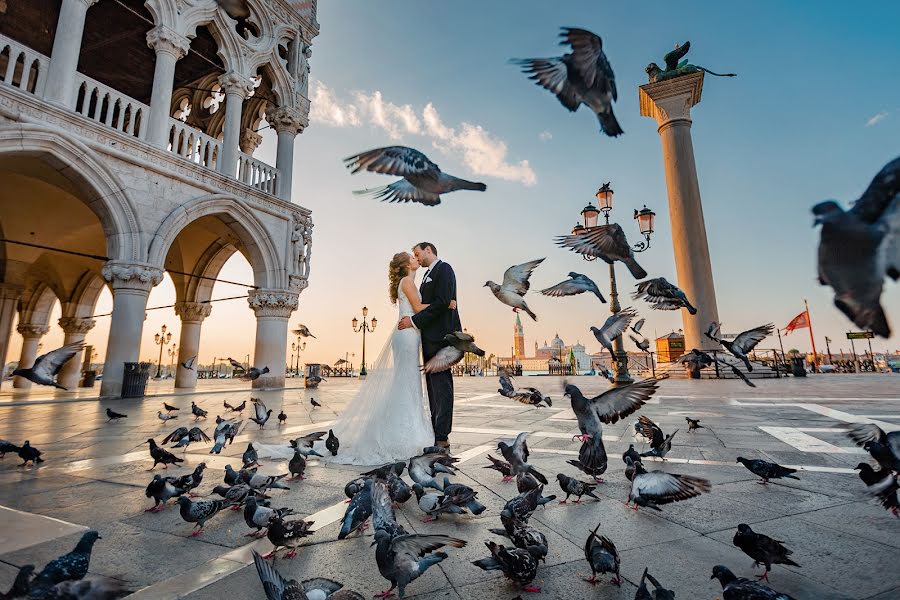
column 813, row 114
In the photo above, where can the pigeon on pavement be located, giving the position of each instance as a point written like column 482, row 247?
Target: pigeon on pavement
column 169, row 408
column 261, row 413
column 518, row 564
column 766, row 470
column 199, row 512
column 657, row 487
column 197, row 411
column 277, row 587
column 114, row 416
column 422, row 468
column 250, row 457
column 402, row 559
column 192, row 480
column 631, row 453
column 743, row 343
column 68, row 567
column 332, row 443
column 286, row 534
column 314, row 404
column 883, row 447
column 47, row 366
column 257, row 516
column 738, row 588
column 602, row 556
column 693, row 424
column 571, row 486
column 458, row 344
column 358, row 511
column 576, row 284
column 517, row 456
column 521, row 507
column 662, row 295
column 165, row 416
column 762, row 549
column 614, row 326
column 631, row 467
column 161, row 456
column 501, row 466
column 6, row 446
column 282, row 418
column 226, row 431
column 162, row 489
column 523, row 536
column 583, row 76
column 305, row 443
column 515, row 284
column 659, row 593
column 28, row 453
column 659, row 444
column 606, row 242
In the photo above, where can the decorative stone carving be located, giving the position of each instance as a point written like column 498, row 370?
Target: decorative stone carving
column 132, row 275
column 29, row 330
column 285, row 119
column 250, row 141
column 273, row 303
column 76, row 325
column 193, row 312
column 672, row 99
column 304, row 69
column 235, row 83
column 297, row 283
column 301, row 243
column 163, row 39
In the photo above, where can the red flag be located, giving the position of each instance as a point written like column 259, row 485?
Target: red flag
column 801, row 321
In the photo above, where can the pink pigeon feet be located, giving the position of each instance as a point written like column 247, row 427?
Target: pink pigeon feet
column 617, row 580
column 531, row 588
column 269, row 555
column 764, row 577
column 591, row 580
column 507, row 478
column 291, row 554
column 385, row 594
column 763, row 482
column 196, row 532
column 156, row 509
column 599, row 479
column 429, row 519
column 236, row 507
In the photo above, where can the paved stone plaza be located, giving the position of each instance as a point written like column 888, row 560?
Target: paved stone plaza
column 95, row 475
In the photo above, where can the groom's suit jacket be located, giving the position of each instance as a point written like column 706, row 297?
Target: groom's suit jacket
column 436, row 321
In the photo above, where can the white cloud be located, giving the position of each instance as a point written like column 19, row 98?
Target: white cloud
column 482, row 152
column 877, row 118
column 545, row 136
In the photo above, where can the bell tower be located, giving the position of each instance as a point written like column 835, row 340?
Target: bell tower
column 518, row 339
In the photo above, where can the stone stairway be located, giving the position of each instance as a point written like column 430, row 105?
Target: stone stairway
column 679, row 371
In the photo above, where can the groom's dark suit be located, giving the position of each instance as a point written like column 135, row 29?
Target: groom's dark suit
column 438, row 288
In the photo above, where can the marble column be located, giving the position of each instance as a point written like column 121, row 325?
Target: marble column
column 60, row 79
column 236, row 89
column 192, row 315
column 670, row 102
column 131, row 284
column 9, row 302
column 273, row 308
column 31, row 337
column 75, row 329
column 170, row 47
column 287, row 122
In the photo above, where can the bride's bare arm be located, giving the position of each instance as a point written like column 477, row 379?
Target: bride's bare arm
column 409, row 289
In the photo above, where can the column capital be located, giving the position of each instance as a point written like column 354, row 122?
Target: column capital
column 672, row 99
column 286, row 120
column 273, row 303
column 250, row 141
column 137, row 276
column 163, row 39
column 76, row 325
column 30, row 330
column 193, row 312
column 85, row 3
column 235, row 83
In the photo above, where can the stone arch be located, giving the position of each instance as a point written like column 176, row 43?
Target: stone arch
column 35, row 306
column 84, row 298
column 264, row 259
column 199, row 289
column 98, row 186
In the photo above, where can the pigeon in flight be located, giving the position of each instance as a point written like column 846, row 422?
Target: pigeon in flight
column 47, row 366
column 602, row 556
column 515, row 284
column 607, row 242
column 114, row 416
column 239, row 408
column 517, row 456
column 506, row 386
column 657, row 487
column 762, row 549
column 662, row 295
column 643, row 344
column 184, row 436
column 881, row 484
column 189, row 363
column 459, row 344
column 766, row 470
column 858, row 247
column 583, row 76
column 738, row 588
column 303, row 331
column 884, row 447
column 236, row 365
column 659, row 444
column 253, row 374
column 744, row 343
column 698, row 359
column 575, row 284
column 614, row 326
column 423, row 181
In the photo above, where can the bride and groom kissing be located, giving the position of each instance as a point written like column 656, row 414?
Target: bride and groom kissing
column 388, row 419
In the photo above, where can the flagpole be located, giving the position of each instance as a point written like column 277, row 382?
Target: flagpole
column 812, row 339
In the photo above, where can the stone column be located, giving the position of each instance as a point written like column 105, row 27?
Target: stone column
column 60, row 79
column 670, row 102
column 131, row 284
column 273, row 308
column 287, row 122
column 31, row 337
column 9, row 302
column 236, row 89
column 192, row 315
column 170, row 47
column 75, row 329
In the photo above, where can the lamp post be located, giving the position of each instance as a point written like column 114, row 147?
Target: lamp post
column 161, row 339
column 364, row 327
column 297, row 348
column 172, row 352
column 645, row 218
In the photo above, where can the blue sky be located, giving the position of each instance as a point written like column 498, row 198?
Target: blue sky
column 789, row 131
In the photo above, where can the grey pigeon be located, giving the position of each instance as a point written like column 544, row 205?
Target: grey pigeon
column 521, row 507
column 423, row 181
column 253, row 374
column 881, row 484
column 226, row 431
column 165, row 416
column 402, row 559
column 576, row 284
column 744, row 343
column 517, row 456
column 114, row 416
column 29, row 453
column 883, row 447
column 631, row 467
column 162, row 489
column 858, row 247
column 257, row 516
column 659, row 593
column 358, row 511
column 399, row 490
column 523, row 536
column 305, row 443
column 232, row 477
column 762, row 549
column 6, row 446
column 47, row 366
column 258, row 481
column 583, row 76
column 738, row 588
column 297, row 465
column 632, row 454
column 602, row 556
column 501, row 466
column 185, row 436
column 250, row 456
column 614, row 326
column 286, row 534
column 515, row 285
column 657, row 487
column 662, row 295
column 89, row 588
column 606, row 242
column 189, row 363
column 517, row 564
column 332, row 443
column 695, row 360
column 643, row 344
column 238, row 494
column 766, row 470
column 303, row 331
column 532, row 397
column 458, row 344
column 383, row 516
column 572, row 486
column 199, row 512
column 385, row 471
column 276, row 586
column 422, row 469
column 261, row 412
column 197, row 411
column 68, row 567
column 659, row 444
column 161, row 456
column 506, row 386
column 354, row 486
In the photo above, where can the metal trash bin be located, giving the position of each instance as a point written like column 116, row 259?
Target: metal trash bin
column 313, row 375
column 134, row 380
column 797, row 367
column 89, row 378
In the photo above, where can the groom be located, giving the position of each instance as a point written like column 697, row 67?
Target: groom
column 438, row 288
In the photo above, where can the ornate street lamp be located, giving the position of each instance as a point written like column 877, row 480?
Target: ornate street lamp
column 172, row 352
column 297, row 348
column 364, row 327
column 161, row 339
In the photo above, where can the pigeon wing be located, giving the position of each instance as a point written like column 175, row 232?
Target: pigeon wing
column 588, row 58
column 867, row 432
column 445, row 358
column 618, row 403
column 415, row 545
column 402, row 191
column 392, row 160
column 516, row 277
column 383, row 516
column 651, row 431
column 675, row 55
column 552, row 74
column 568, row 287
column 616, row 324
column 747, row 340
column 275, row 586
column 637, row 326
column 604, row 241
column 662, row 488
column 48, row 365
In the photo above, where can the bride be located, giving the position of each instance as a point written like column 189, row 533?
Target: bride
column 388, row 419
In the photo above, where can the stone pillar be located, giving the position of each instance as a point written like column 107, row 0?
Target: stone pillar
column 9, row 302
column 75, row 329
column 31, row 337
column 670, row 102
column 192, row 315
column 236, row 89
column 60, row 79
column 273, row 308
column 287, row 122
column 170, row 47
column 131, row 284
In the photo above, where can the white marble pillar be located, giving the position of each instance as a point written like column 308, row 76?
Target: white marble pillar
column 192, row 315
column 670, row 102
column 9, row 302
column 170, row 47
column 31, row 337
column 236, row 89
column 273, row 308
column 287, row 122
column 75, row 329
column 131, row 284
column 60, row 80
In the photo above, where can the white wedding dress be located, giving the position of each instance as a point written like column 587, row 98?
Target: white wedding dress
column 388, row 419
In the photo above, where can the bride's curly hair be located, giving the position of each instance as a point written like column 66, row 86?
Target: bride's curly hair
column 397, row 270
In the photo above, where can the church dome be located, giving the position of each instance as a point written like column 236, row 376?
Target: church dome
column 557, row 342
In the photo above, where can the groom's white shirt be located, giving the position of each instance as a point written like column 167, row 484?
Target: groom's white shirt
column 424, row 279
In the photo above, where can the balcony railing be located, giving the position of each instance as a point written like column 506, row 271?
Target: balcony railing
column 22, row 67
column 256, row 173
column 105, row 105
column 194, row 145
